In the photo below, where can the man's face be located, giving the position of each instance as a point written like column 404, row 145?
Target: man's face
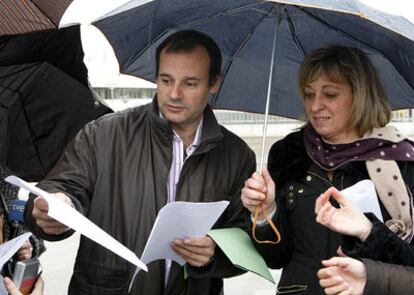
column 183, row 88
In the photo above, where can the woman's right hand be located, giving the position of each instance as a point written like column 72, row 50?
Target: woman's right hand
column 259, row 190
column 347, row 220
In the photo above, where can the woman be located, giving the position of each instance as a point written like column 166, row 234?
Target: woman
column 343, row 142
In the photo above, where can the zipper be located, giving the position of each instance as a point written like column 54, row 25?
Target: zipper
column 326, row 180
column 320, row 177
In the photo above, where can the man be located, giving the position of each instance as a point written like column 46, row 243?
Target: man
column 121, row 169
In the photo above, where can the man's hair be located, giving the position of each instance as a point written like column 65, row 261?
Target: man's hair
column 186, row 41
column 350, row 65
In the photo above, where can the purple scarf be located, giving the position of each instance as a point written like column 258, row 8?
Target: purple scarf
column 371, row 147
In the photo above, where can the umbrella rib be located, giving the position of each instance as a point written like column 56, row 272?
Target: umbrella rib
column 233, row 10
column 334, row 28
column 31, row 131
column 28, row 124
column 293, row 33
column 226, row 70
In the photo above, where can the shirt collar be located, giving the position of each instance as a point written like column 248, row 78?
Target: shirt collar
column 197, row 137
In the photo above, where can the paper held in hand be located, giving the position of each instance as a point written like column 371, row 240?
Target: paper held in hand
column 364, row 196
column 175, row 220
column 70, row 217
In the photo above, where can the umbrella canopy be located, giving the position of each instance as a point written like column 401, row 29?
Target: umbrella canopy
column 248, row 31
column 44, row 98
column 23, row 16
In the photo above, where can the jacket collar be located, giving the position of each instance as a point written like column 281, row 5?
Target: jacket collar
column 293, row 161
column 211, row 134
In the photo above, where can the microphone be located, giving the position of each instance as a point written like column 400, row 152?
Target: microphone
column 16, row 216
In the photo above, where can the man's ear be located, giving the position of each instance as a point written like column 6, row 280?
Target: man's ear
column 215, row 87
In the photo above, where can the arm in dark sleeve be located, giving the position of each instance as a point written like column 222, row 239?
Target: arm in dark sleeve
column 74, row 175
column 386, row 279
column 381, row 244
column 234, row 216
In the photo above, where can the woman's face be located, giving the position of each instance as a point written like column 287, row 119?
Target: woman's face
column 328, row 106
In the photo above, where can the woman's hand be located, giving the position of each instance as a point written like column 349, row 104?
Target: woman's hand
column 12, row 289
column 25, row 252
column 342, row 275
column 259, row 190
column 347, row 220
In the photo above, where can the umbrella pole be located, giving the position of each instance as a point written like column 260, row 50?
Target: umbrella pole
column 269, row 89
column 259, row 208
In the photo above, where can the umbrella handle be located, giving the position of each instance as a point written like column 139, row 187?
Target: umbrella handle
column 259, row 209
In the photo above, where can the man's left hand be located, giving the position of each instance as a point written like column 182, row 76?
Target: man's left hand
column 196, row 251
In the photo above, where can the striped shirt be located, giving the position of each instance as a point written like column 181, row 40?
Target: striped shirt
column 178, row 159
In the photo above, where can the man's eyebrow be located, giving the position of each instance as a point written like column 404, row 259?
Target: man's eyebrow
column 165, row 75
column 193, row 78
column 189, row 78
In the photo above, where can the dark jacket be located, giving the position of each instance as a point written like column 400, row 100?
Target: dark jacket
column 388, row 279
column 305, row 243
column 116, row 171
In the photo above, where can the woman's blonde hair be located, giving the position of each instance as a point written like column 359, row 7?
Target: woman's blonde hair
column 350, row 65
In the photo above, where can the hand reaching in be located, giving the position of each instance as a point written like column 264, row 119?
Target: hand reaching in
column 347, row 220
column 25, row 251
column 342, row 276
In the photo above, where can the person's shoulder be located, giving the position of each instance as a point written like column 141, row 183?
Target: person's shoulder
column 119, row 118
column 292, row 141
column 230, row 138
column 287, row 157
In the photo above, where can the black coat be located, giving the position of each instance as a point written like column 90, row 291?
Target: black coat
column 305, row 243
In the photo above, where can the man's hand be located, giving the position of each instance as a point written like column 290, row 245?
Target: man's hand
column 46, row 223
column 25, row 252
column 196, row 251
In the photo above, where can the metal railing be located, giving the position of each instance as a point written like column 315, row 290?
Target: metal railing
column 234, row 117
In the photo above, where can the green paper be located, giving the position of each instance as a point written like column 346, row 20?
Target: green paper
column 238, row 247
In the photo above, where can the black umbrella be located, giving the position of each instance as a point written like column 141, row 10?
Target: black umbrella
column 44, row 98
column 263, row 44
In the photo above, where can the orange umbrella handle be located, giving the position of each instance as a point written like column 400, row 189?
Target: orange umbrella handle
column 259, row 209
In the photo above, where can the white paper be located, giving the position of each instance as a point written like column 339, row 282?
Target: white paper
column 70, row 217
column 179, row 220
column 363, row 195
column 9, row 248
